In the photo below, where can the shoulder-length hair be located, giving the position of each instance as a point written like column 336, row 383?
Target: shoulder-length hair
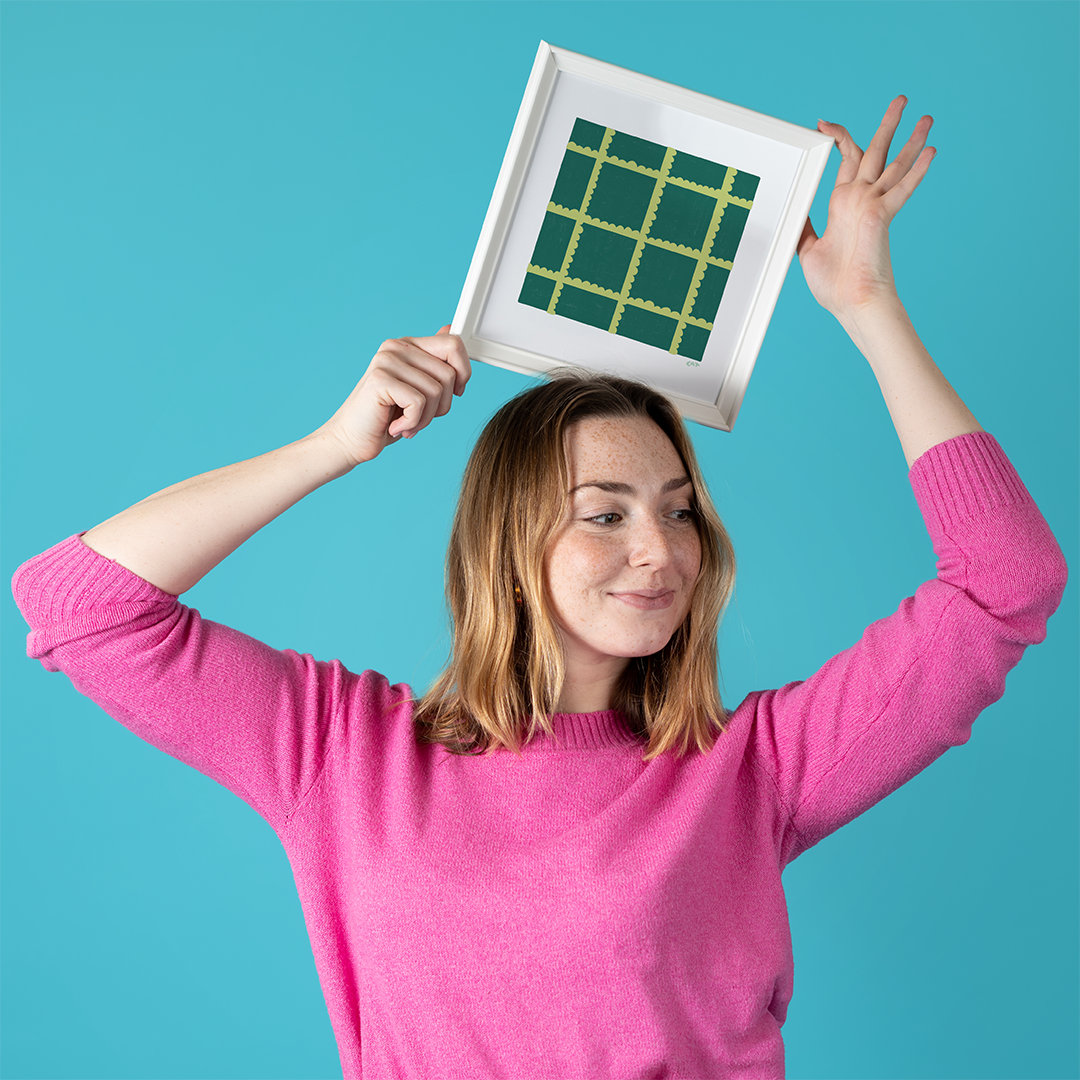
column 506, row 667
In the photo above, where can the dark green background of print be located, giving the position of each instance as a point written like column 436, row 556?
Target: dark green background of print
column 621, row 196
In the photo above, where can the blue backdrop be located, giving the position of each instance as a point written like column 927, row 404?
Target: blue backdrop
column 212, row 215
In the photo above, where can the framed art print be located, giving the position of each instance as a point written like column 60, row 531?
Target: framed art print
column 638, row 228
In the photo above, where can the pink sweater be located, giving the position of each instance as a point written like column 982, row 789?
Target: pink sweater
column 575, row 913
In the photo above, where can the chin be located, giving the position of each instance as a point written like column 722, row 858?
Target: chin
column 649, row 648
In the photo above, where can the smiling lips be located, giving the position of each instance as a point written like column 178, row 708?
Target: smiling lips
column 647, row 599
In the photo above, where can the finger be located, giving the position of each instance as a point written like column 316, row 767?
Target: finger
column 451, row 350
column 443, row 378
column 411, row 385
column 850, row 154
column 808, row 239
column 900, row 192
column 439, row 369
column 873, row 162
column 907, row 157
column 418, row 396
column 406, row 401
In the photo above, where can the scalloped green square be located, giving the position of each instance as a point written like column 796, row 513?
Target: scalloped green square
column 583, row 306
column 710, row 292
column 621, row 196
column 745, row 185
column 552, row 242
column 709, row 174
column 601, row 257
column 683, row 216
column 573, row 179
column 693, row 342
column 648, row 326
column 536, row 291
column 730, row 232
column 663, row 277
column 640, row 151
column 588, row 134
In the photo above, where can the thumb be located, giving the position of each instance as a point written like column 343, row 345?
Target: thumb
column 808, row 239
column 445, row 329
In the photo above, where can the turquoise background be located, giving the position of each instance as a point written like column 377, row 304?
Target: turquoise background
column 213, row 213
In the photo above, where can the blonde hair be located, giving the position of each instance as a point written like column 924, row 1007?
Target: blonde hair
column 505, row 671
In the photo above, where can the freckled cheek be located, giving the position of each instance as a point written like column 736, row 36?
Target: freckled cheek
column 580, row 568
column 574, row 569
column 593, row 566
column 689, row 560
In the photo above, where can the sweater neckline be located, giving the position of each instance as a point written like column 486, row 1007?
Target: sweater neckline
column 585, row 731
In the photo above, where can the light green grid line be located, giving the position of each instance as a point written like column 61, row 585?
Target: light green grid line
column 703, row 261
column 690, row 185
column 635, row 259
column 571, row 247
column 632, row 301
column 622, row 230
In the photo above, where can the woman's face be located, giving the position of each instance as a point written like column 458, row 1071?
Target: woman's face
column 620, row 571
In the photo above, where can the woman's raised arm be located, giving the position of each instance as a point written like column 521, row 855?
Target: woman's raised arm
column 849, row 271
column 174, row 537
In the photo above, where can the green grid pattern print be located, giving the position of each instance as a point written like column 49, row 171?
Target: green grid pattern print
column 638, row 239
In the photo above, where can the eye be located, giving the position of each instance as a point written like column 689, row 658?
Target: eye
column 609, row 518
column 684, row 514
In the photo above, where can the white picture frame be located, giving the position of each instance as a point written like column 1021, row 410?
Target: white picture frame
column 786, row 160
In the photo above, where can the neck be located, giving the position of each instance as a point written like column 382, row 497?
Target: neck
column 590, row 687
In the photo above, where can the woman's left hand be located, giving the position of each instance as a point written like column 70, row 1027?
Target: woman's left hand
column 849, row 266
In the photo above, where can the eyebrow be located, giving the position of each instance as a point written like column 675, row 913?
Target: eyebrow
column 617, row 488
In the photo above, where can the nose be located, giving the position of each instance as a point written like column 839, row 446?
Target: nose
column 651, row 543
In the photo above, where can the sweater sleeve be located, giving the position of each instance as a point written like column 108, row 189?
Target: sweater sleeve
column 880, row 712
column 256, row 720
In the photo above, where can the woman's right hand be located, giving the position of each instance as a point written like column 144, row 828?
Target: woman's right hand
column 408, row 383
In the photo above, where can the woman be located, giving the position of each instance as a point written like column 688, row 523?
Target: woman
column 606, row 900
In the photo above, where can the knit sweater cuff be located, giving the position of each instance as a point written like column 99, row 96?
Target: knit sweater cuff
column 964, row 478
column 71, row 581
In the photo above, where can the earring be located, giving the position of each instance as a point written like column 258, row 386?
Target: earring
column 517, row 594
